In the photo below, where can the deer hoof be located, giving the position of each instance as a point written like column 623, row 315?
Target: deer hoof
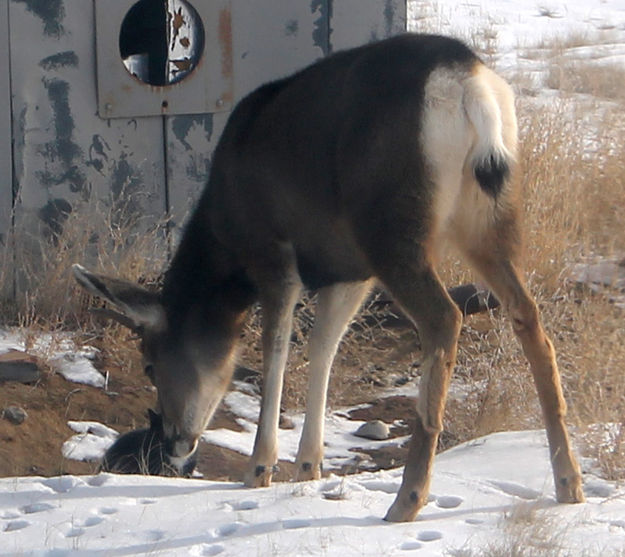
column 569, row 490
column 260, row 476
column 405, row 508
column 307, row 471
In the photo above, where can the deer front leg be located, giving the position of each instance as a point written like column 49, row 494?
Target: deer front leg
column 277, row 306
column 336, row 306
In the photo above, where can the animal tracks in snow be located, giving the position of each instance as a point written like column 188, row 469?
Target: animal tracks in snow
column 245, row 505
column 429, row 535
column 93, row 521
column 228, row 529
column 517, row 490
column 62, row 484
column 423, row 537
column 36, row 508
column 204, row 549
column 448, row 501
column 135, row 515
column 14, row 525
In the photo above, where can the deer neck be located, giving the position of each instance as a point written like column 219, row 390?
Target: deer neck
column 205, row 288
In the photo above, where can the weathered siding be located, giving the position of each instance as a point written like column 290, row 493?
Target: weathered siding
column 356, row 22
column 57, row 154
column 63, row 152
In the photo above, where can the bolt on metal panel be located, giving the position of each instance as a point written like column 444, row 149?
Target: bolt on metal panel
column 195, row 47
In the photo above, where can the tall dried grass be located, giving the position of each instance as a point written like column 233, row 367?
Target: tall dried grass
column 107, row 235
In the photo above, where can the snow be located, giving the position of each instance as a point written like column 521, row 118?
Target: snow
column 481, row 491
column 91, row 443
column 491, row 493
column 340, row 441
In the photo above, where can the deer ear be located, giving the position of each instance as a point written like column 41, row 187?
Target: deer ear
column 140, row 308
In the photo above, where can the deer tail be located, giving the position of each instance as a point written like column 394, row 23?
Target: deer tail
column 490, row 158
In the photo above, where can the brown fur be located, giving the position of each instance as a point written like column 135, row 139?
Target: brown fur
column 359, row 166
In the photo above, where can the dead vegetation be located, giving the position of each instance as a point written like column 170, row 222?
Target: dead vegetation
column 529, row 530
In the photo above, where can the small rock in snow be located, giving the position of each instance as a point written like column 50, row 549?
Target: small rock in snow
column 375, row 429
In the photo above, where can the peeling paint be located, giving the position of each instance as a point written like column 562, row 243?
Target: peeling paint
column 97, row 153
column 51, row 12
column 125, row 180
column 291, row 28
column 60, row 60
column 322, row 30
column 54, row 214
column 62, row 147
column 182, row 124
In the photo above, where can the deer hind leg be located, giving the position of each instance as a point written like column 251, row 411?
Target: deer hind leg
column 505, row 281
column 418, row 290
column 336, row 306
column 280, row 287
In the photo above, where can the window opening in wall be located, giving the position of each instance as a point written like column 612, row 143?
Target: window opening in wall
column 161, row 41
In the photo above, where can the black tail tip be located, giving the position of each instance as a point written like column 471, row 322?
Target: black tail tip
column 491, row 174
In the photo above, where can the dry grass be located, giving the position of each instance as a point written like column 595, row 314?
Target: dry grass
column 530, row 530
column 585, row 77
column 109, row 236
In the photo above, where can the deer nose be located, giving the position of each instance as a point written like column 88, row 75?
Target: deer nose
column 183, row 448
column 180, row 453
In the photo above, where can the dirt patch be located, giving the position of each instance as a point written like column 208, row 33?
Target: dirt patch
column 34, row 447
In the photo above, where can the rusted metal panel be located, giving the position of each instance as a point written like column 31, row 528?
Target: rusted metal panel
column 356, row 22
column 196, row 39
column 64, row 153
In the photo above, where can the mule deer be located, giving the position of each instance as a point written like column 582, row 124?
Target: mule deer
column 355, row 169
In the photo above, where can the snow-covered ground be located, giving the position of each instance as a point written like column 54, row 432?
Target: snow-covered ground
column 494, row 493
column 509, row 27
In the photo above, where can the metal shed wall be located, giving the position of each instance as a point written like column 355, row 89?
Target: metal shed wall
column 57, row 153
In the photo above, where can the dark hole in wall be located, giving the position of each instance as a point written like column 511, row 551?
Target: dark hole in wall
column 161, row 41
